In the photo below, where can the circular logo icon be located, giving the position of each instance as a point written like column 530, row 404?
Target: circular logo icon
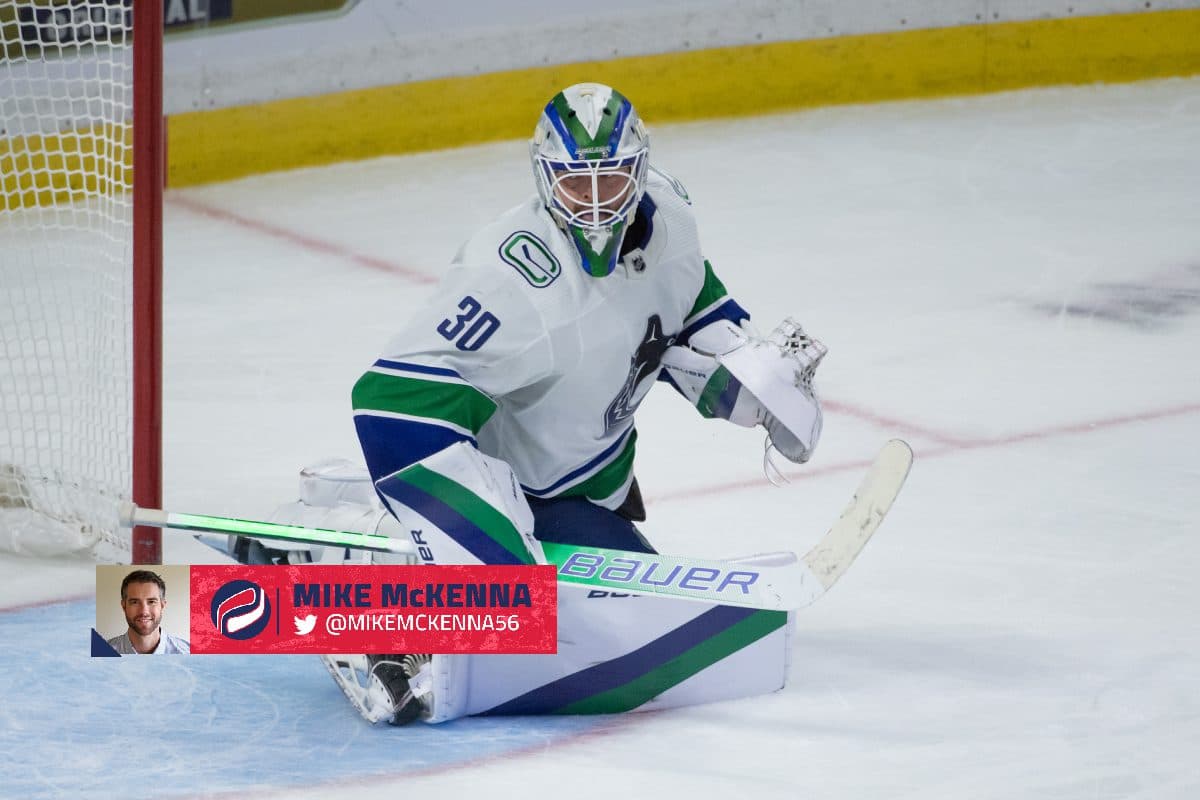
column 240, row 610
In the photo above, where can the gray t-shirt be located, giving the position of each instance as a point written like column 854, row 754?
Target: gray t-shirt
column 168, row 645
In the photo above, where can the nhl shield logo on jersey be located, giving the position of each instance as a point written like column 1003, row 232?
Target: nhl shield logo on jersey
column 643, row 364
column 240, row 610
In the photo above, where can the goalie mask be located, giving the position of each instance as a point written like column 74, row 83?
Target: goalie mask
column 590, row 152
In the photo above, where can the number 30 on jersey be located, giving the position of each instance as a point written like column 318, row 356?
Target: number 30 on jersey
column 471, row 329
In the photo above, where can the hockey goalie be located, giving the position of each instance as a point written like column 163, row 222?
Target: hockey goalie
column 502, row 416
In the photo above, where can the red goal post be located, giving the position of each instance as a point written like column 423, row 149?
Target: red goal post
column 81, row 178
column 149, row 176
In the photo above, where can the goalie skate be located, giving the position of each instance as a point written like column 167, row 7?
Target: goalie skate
column 382, row 688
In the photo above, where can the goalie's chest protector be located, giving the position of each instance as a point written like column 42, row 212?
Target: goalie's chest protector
column 604, row 338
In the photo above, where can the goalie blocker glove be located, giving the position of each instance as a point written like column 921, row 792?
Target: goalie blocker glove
column 730, row 372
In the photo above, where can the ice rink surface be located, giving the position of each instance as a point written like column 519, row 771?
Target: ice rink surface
column 1011, row 283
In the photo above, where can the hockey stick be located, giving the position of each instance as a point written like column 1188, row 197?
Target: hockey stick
column 829, row 558
column 781, row 585
column 132, row 515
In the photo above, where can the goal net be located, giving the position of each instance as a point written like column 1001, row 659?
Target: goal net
column 66, row 275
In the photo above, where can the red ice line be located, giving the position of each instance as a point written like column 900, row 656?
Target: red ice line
column 951, row 444
column 75, row 598
column 299, row 239
column 899, row 426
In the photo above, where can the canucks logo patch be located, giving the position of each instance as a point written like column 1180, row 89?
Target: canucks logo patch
column 643, row 364
column 531, row 257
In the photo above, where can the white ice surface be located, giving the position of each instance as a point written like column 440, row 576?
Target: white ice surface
column 1012, row 283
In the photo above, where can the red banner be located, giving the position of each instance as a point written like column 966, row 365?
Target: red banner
column 374, row 609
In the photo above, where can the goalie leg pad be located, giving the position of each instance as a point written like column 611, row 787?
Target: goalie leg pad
column 335, row 494
column 463, row 507
column 372, row 519
column 608, row 645
column 332, row 481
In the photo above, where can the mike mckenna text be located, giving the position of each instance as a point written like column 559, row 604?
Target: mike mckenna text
column 402, row 595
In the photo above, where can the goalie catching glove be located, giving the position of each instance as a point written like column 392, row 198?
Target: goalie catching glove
column 730, row 372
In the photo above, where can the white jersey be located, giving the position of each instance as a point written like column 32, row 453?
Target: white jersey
column 534, row 360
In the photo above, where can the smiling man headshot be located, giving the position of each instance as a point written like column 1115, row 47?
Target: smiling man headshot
column 143, row 599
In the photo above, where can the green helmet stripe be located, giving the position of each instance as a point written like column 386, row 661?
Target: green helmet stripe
column 598, row 264
column 609, row 120
column 586, row 142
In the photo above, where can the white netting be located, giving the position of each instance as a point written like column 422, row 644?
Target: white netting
column 66, row 90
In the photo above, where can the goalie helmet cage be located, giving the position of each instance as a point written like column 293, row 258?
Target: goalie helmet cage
column 81, row 178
